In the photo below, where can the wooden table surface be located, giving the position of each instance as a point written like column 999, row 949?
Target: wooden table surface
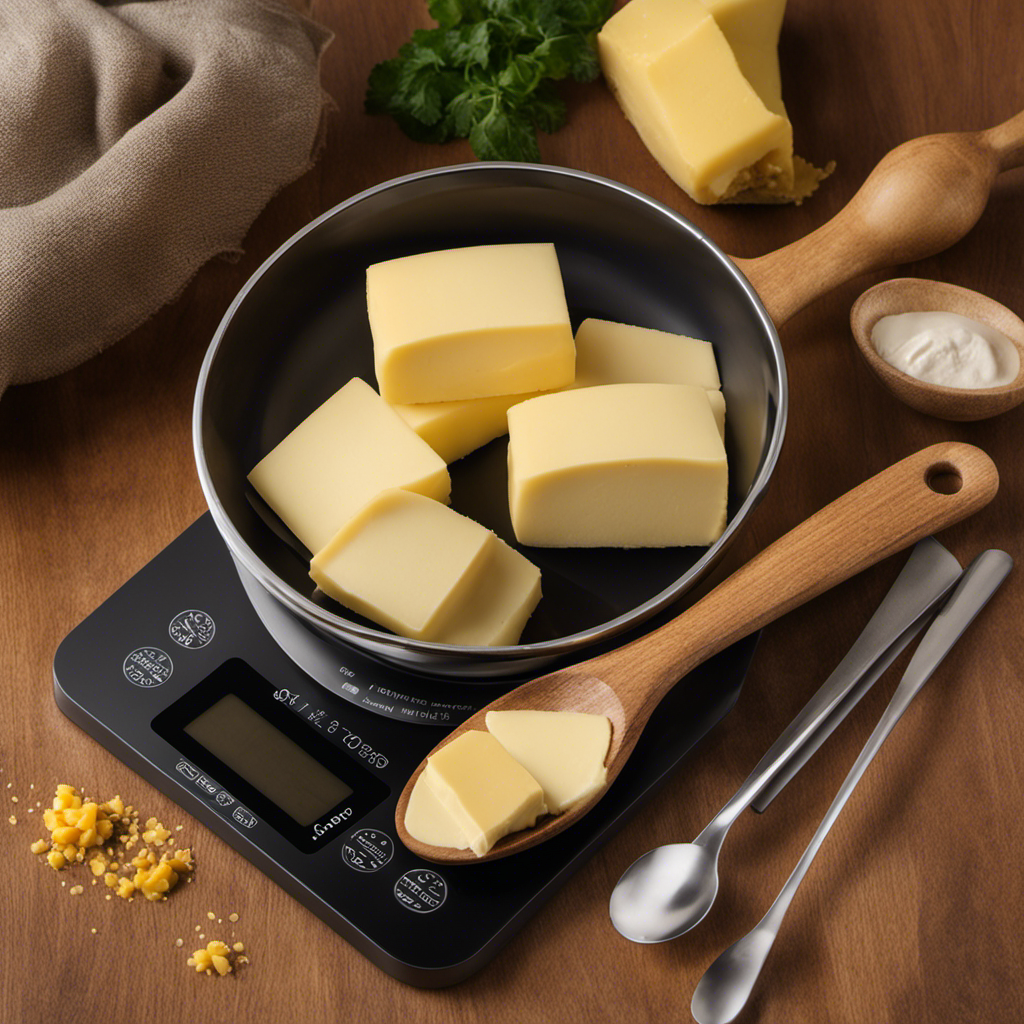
column 912, row 910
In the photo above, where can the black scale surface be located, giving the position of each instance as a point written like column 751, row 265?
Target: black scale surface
column 182, row 633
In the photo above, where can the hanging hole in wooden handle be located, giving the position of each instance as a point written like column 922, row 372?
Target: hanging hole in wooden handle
column 944, row 478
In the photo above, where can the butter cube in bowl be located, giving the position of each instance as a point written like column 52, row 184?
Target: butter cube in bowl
column 620, row 465
column 469, row 322
column 341, row 455
column 423, row 571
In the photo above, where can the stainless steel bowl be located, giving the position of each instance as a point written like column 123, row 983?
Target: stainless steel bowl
column 298, row 330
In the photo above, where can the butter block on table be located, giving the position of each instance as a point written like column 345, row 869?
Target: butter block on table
column 339, row 457
column 614, row 353
column 426, row 572
column 563, row 750
column 679, row 83
column 752, row 27
column 484, row 788
column 619, row 465
column 469, row 323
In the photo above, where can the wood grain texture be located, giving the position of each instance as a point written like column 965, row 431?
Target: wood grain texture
column 922, row 197
column 911, row 911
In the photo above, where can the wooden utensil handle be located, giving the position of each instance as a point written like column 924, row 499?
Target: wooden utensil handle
column 922, row 197
column 881, row 516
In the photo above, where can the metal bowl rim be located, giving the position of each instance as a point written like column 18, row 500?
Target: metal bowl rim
column 343, row 628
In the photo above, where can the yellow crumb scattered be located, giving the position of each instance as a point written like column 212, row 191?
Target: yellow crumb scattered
column 232, row 917
column 155, row 833
column 13, row 820
column 179, row 942
column 238, row 947
column 210, row 914
column 76, row 826
column 93, row 930
column 77, row 890
column 14, row 799
column 213, row 957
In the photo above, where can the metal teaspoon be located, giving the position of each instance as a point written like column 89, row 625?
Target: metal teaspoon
column 724, row 989
column 669, row 890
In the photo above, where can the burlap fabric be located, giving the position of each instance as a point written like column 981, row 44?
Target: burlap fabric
column 137, row 140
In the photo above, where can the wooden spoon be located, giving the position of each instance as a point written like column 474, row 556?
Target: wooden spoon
column 914, row 295
column 919, row 495
column 922, row 197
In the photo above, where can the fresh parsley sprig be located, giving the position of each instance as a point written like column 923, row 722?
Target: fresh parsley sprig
column 486, row 73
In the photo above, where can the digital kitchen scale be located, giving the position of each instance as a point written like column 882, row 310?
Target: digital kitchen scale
column 179, row 677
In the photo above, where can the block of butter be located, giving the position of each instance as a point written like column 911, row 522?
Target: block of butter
column 678, row 81
column 404, row 561
column 563, row 750
column 429, row 821
column 498, row 607
column 454, row 429
column 469, row 323
column 613, row 353
column 752, row 29
column 620, row 465
column 484, row 788
column 426, row 572
column 339, row 457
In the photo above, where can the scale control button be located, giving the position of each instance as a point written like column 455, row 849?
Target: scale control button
column 192, row 628
column 422, row 891
column 187, row 770
column 368, row 849
column 224, row 798
column 148, row 667
column 205, row 784
column 243, row 817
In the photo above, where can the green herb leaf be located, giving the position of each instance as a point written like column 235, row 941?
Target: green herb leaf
column 486, row 72
column 504, row 136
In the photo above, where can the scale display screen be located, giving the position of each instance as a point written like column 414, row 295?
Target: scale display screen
column 280, row 766
column 275, row 764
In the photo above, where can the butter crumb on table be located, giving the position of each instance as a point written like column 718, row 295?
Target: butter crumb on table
column 83, row 831
column 215, row 957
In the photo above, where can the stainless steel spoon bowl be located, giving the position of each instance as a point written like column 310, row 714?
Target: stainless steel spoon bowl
column 670, row 889
column 726, row 986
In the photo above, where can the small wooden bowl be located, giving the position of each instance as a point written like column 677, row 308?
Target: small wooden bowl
column 915, row 295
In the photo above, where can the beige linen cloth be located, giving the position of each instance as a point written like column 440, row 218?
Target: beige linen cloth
column 137, row 140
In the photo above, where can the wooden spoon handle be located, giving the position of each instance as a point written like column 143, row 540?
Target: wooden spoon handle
column 1007, row 140
column 881, row 516
column 922, row 197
